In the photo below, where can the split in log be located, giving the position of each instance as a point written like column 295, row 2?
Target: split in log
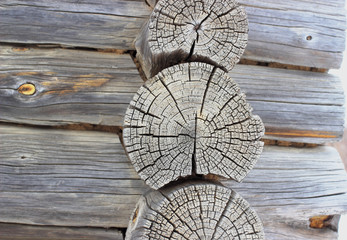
column 197, row 210
column 191, row 119
column 208, row 31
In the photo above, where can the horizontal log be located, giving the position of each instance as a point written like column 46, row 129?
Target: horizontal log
column 70, row 86
column 295, row 106
column 79, row 178
column 32, row 232
column 307, row 33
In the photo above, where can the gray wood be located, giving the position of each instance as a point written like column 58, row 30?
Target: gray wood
column 79, row 178
column 208, row 31
column 92, row 24
column 191, row 119
column 278, row 29
column 75, row 87
column 72, row 86
column 290, row 185
column 295, row 106
column 30, row 232
column 194, row 210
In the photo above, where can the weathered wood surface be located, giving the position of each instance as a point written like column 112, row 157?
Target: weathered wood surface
column 78, row 178
column 71, row 86
column 308, row 33
column 295, row 106
column 214, row 32
column 75, row 87
column 92, row 24
column 191, row 119
column 288, row 186
column 194, row 210
column 32, row 232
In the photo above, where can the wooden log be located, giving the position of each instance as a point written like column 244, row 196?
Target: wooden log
column 32, row 232
column 91, row 24
column 68, row 86
column 196, row 210
column 280, row 31
column 83, row 179
column 191, row 119
column 208, row 31
column 295, row 106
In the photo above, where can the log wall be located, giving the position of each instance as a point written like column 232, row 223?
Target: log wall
column 68, row 73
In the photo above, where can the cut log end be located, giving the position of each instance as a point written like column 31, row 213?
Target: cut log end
column 182, row 31
column 191, row 119
column 198, row 210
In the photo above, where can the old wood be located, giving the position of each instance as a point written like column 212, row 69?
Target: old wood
column 79, row 178
column 194, row 210
column 191, row 119
column 32, row 232
column 182, row 31
column 294, row 105
column 308, row 33
column 71, row 86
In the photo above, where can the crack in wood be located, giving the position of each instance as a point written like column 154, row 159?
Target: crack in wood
column 185, row 140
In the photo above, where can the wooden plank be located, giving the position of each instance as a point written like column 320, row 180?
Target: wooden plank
column 305, row 33
column 308, row 33
column 290, row 185
column 93, row 24
column 72, row 86
column 21, row 232
column 78, row 178
column 295, row 106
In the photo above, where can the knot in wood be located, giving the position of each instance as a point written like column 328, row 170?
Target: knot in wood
column 27, row 89
column 191, row 119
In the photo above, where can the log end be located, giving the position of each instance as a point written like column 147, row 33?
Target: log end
column 191, row 119
column 196, row 210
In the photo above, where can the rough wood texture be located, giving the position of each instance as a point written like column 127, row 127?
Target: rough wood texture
column 71, row 86
column 78, row 178
column 196, row 210
column 308, row 33
column 289, row 186
column 191, row 119
column 93, row 24
column 65, row 178
column 182, row 31
column 295, row 106
column 29, row 232
column 303, row 33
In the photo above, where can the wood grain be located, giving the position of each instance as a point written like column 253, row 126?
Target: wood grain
column 214, row 32
column 79, row 178
column 32, row 232
column 191, row 119
column 71, row 86
column 295, row 106
column 306, row 33
column 194, row 210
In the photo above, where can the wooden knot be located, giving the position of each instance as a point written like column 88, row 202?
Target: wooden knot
column 27, row 89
